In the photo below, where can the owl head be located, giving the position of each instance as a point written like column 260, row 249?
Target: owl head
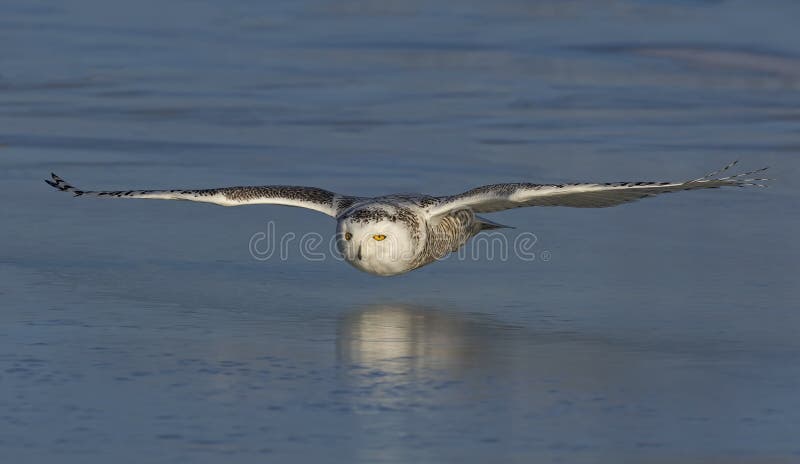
column 380, row 239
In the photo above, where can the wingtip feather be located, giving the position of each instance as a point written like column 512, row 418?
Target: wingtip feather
column 60, row 184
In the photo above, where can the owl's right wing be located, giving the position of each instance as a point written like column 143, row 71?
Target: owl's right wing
column 312, row 198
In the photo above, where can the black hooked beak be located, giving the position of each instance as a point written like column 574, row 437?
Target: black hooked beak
column 359, row 252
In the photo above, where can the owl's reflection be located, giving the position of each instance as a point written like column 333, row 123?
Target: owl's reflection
column 414, row 340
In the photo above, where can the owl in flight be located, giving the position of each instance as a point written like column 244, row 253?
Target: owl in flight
column 394, row 234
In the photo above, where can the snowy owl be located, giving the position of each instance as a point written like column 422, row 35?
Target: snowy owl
column 394, row 234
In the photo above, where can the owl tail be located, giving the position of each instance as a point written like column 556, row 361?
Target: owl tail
column 488, row 225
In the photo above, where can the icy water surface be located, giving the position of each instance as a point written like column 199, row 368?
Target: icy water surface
column 658, row 332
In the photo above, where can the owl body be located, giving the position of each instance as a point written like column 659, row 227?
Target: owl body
column 395, row 234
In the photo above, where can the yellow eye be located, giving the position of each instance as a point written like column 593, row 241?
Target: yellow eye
column 348, row 236
column 379, row 237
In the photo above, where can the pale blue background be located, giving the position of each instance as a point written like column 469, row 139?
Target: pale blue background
column 659, row 332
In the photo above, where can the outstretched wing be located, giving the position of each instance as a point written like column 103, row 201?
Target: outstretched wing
column 313, row 198
column 497, row 197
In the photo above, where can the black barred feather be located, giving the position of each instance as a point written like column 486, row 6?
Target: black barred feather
column 485, row 199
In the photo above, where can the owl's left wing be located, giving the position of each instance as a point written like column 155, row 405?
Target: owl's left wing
column 312, row 198
column 498, row 197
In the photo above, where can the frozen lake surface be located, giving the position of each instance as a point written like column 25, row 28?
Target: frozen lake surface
column 658, row 332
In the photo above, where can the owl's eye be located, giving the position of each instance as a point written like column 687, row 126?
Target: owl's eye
column 348, row 236
column 379, row 237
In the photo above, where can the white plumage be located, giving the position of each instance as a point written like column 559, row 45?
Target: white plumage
column 393, row 234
